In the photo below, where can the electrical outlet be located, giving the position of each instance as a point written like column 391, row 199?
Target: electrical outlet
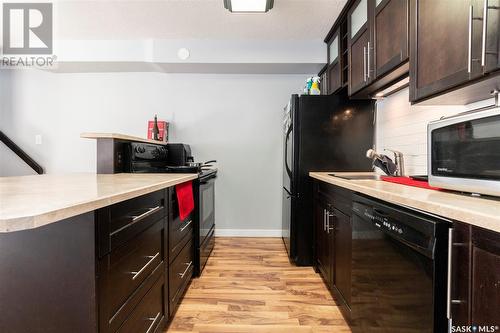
column 38, row 139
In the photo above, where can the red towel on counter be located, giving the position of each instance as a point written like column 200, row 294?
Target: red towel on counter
column 409, row 182
column 185, row 199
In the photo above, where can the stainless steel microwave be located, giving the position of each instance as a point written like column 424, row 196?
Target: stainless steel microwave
column 464, row 152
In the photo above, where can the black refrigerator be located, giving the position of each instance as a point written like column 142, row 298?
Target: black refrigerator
column 321, row 133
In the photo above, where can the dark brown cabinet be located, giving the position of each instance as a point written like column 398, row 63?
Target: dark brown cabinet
column 440, row 46
column 475, row 276
column 454, row 43
column 338, row 63
column 378, row 45
column 485, row 300
column 323, row 80
column 323, row 243
column 492, row 35
column 342, row 254
column 359, row 44
column 144, row 262
column 390, row 35
column 332, row 244
column 334, row 63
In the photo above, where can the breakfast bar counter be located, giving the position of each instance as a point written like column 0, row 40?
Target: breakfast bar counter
column 94, row 252
column 29, row 202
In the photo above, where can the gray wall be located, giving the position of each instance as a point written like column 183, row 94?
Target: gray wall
column 236, row 119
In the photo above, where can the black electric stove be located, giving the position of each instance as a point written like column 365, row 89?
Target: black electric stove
column 174, row 158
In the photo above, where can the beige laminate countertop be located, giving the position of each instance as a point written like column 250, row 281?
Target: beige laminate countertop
column 29, row 202
column 481, row 212
column 119, row 136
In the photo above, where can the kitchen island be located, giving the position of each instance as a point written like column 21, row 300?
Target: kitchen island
column 91, row 253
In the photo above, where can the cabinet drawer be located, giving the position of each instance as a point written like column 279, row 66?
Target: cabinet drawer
column 127, row 269
column 121, row 222
column 180, row 231
column 180, row 273
column 148, row 316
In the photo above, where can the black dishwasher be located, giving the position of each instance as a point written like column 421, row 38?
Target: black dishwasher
column 399, row 269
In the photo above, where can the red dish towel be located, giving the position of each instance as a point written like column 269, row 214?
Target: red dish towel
column 185, row 199
column 409, row 182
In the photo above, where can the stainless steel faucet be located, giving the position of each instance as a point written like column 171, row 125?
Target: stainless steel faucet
column 399, row 161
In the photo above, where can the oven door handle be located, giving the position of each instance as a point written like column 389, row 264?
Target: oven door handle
column 205, row 182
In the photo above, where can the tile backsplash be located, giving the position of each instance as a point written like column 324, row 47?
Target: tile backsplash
column 401, row 126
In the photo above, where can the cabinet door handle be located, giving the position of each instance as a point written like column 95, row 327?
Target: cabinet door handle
column 469, row 54
column 364, row 63
column 450, row 267
column 152, row 258
column 368, row 61
column 150, row 211
column 138, row 218
column 324, row 219
column 150, row 328
column 187, row 269
column 187, row 225
column 485, row 31
column 327, row 217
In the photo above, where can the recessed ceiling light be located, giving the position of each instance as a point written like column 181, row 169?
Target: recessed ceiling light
column 248, row 6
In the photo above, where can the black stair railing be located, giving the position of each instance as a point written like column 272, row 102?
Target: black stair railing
column 21, row 153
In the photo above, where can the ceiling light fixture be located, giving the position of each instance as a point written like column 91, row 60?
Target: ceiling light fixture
column 248, row 6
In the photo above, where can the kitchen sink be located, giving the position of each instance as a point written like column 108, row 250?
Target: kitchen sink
column 356, row 177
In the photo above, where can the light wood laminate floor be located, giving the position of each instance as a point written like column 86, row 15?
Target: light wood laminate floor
column 249, row 285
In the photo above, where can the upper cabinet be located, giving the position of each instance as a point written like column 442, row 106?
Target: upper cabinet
column 449, row 48
column 491, row 45
column 334, row 64
column 454, row 43
column 323, row 80
column 390, row 35
column 378, row 44
column 337, row 67
column 359, row 46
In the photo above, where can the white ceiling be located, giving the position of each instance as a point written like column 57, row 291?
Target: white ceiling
column 192, row 19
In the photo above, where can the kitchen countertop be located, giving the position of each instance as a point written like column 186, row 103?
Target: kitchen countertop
column 118, row 136
column 478, row 211
column 29, row 202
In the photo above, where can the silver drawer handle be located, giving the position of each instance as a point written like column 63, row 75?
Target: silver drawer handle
column 187, row 225
column 152, row 258
column 186, row 270
column 153, row 323
column 450, row 271
column 137, row 218
column 146, row 214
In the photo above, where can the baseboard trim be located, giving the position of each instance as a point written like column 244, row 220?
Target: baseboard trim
column 247, row 232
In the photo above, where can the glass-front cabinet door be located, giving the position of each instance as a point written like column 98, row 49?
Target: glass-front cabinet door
column 334, row 50
column 334, row 64
column 359, row 46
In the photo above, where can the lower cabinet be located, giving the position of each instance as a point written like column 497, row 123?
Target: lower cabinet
column 342, row 255
column 332, row 244
column 323, row 240
column 475, row 277
column 141, row 281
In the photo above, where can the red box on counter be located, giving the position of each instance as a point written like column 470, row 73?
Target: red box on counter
column 163, row 130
